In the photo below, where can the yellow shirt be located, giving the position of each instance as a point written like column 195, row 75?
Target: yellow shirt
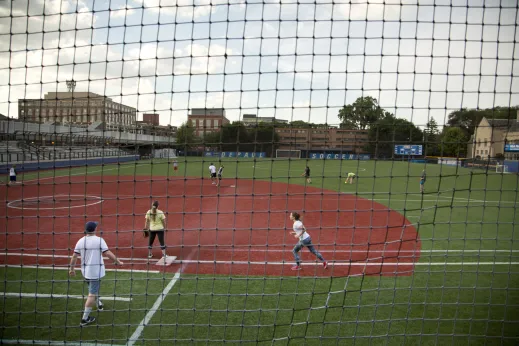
column 156, row 225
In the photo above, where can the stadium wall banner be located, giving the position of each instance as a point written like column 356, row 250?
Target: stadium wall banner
column 511, row 148
column 325, row 156
column 449, row 161
column 513, row 166
column 239, row 154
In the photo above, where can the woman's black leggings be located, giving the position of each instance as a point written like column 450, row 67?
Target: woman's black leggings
column 160, row 235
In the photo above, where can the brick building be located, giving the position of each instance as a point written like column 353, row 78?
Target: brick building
column 252, row 119
column 207, row 120
column 348, row 141
column 152, row 119
column 78, row 108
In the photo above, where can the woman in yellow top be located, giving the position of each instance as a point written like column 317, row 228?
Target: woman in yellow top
column 155, row 224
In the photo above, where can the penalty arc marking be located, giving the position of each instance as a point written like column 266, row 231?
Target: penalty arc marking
column 51, row 198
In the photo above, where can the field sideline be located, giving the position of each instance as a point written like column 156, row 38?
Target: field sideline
column 462, row 288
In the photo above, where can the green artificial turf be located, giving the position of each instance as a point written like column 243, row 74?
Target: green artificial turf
column 464, row 290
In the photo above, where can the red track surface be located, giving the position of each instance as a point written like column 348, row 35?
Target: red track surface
column 215, row 226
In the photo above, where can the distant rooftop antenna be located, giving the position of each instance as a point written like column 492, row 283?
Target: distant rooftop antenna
column 71, row 85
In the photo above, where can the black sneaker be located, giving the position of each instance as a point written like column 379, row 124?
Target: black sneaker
column 100, row 307
column 86, row 322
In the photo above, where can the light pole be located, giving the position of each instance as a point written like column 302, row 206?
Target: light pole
column 71, row 85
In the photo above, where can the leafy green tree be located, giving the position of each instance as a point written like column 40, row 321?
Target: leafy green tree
column 186, row 137
column 432, row 134
column 300, row 124
column 387, row 132
column 234, row 137
column 361, row 114
column 468, row 119
column 264, row 138
column 453, row 142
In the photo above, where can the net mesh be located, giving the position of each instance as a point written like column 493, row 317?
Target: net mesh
column 198, row 136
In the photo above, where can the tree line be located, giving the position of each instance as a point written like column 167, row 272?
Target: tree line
column 384, row 131
column 230, row 137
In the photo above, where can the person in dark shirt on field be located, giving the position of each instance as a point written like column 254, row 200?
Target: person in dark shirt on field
column 306, row 174
column 219, row 174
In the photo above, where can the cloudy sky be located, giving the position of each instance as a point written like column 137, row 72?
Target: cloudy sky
column 269, row 57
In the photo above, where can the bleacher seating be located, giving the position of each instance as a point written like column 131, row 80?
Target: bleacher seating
column 14, row 151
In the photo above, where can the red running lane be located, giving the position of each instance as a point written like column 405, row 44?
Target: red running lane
column 252, row 214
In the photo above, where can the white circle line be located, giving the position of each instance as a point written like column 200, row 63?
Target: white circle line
column 9, row 205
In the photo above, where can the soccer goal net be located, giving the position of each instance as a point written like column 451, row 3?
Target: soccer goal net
column 294, row 154
column 267, row 172
column 501, row 168
column 165, row 153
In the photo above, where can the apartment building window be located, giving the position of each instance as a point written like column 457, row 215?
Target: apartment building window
column 207, row 123
column 215, row 124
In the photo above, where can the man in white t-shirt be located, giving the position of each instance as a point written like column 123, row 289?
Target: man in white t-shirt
column 304, row 240
column 212, row 170
column 91, row 248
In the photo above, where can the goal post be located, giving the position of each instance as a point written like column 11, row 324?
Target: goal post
column 165, row 153
column 501, row 168
column 284, row 153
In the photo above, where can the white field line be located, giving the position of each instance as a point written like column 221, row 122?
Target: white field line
column 82, row 173
column 43, row 295
column 328, row 169
column 99, row 200
column 289, row 249
column 66, row 268
column 49, row 343
column 137, row 333
column 327, row 197
column 64, row 256
column 357, row 264
column 323, row 198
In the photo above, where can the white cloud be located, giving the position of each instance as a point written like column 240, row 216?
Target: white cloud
column 431, row 58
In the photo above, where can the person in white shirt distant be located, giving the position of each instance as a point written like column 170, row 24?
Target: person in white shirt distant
column 304, row 240
column 212, row 170
column 12, row 175
column 91, row 248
